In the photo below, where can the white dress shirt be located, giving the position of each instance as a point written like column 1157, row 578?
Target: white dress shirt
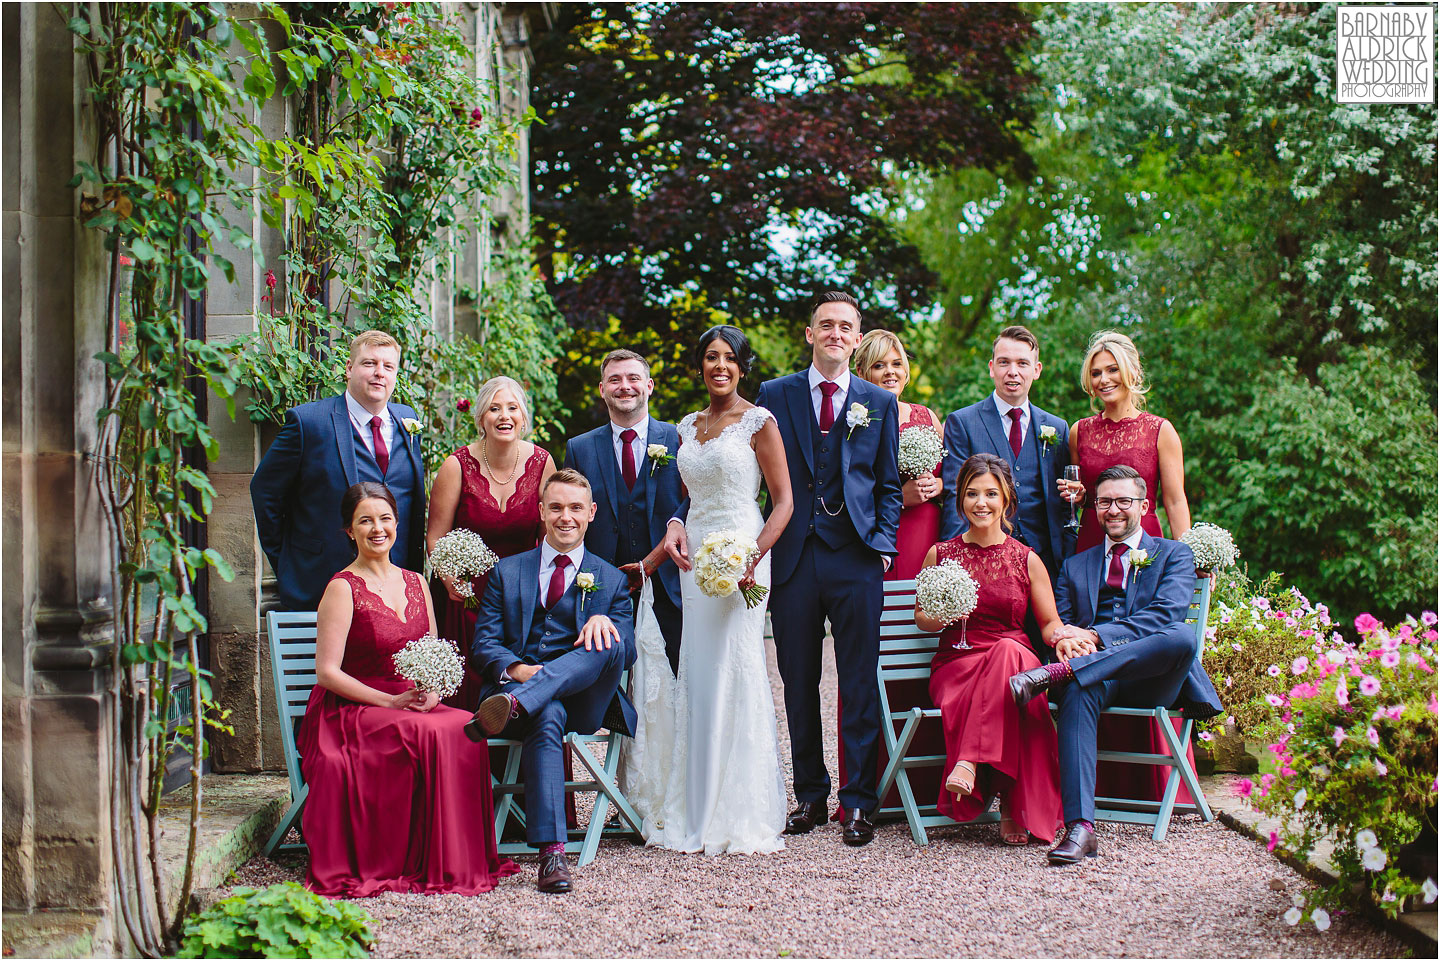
column 1005, row 421
column 1133, row 542
column 360, row 417
column 637, row 446
column 837, row 400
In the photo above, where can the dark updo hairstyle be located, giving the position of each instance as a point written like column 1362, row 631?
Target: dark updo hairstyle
column 735, row 338
column 364, row 491
column 978, row 465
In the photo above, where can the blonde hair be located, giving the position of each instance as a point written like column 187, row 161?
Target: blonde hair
column 1127, row 358
column 873, row 348
column 372, row 338
column 487, row 393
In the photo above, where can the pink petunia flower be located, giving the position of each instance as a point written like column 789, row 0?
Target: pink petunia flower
column 1366, row 623
column 1429, row 619
column 1369, row 686
column 1274, row 700
column 1300, row 665
column 1273, row 670
column 1342, row 694
column 1245, row 787
column 1339, row 736
column 1390, row 659
column 1380, row 768
column 1273, row 843
column 1206, row 736
column 1373, row 736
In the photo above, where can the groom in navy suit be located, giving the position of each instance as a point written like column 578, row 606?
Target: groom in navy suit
column 325, row 448
column 1124, row 641
column 841, row 435
column 553, row 636
column 635, row 493
column 1007, row 425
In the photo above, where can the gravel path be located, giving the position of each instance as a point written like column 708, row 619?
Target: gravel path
column 1204, row 892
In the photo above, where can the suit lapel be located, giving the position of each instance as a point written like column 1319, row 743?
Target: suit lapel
column 659, row 434
column 1096, row 571
column 529, row 588
column 1132, row 596
column 609, row 470
column 409, row 441
column 344, row 439
column 802, row 417
column 999, row 437
column 587, row 566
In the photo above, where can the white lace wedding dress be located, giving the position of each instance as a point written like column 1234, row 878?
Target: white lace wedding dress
column 704, row 769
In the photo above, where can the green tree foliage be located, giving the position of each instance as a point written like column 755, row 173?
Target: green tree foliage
column 704, row 162
column 1197, row 186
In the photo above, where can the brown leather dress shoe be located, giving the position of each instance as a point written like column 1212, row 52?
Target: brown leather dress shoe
column 806, row 815
column 1078, row 842
column 1027, row 685
column 495, row 713
column 554, row 877
column 859, row 829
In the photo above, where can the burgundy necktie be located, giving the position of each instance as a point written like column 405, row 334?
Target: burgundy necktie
column 1015, row 430
column 1116, row 577
column 382, row 456
column 827, row 404
column 557, row 582
column 627, row 457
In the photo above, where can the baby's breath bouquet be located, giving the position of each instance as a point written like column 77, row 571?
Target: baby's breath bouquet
column 463, row 555
column 947, row 593
column 1212, row 545
column 920, row 450
column 721, row 562
column 433, row 663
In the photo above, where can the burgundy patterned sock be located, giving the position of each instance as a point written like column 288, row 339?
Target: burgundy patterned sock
column 1059, row 672
column 554, row 847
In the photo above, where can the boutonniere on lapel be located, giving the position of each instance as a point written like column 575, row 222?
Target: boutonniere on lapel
column 1139, row 560
column 586, row 582
column 858, row 416
column 412, row 425
column 1048, row 436
column 659, row 456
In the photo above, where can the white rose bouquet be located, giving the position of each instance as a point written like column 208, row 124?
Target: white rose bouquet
column 920, row 450
column 462, row 554
column 721, row 562
column 434, row 664
column 1212, row 545
column 947, row 593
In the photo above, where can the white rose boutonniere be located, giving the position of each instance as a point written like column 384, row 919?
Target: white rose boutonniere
column 659, row 456
column 1048, row 436
column 1139, row 560
column 858, row 416
column 412, row 425
column 586, row 582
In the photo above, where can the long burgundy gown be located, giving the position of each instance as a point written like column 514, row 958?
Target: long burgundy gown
column 515, row 529
column 1134, row 442
column 399, row 800
column 919, row 525
column 1015, row 750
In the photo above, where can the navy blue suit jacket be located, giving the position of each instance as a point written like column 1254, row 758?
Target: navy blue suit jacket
column 1158, row 596
column 978, row 429
column 593, row 454
column 507, row 613
column 296, row 494
column 867, row 458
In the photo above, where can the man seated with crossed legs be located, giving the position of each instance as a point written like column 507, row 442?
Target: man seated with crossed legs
column 1124, row 641
column 554, row 634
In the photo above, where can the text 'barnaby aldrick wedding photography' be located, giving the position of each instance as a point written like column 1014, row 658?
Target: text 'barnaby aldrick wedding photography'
column 1385, row 54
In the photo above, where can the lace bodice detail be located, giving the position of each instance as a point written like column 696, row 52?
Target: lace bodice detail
column 722, row 474
column 920, row 416
column 516, row 528
column 1003, row 575
column 376, row 632
column 1101, row 443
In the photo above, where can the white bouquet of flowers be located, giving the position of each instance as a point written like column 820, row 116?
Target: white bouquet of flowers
column 721, row 562
column 462, row 554
column 433, row 663
column 1212, row 545
column 947, row 593
column 920, row 450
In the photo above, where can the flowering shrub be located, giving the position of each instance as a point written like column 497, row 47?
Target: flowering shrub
column 1258, row 640
column 1354, row 757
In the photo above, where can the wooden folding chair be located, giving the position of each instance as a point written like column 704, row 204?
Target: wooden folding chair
column 292, row 661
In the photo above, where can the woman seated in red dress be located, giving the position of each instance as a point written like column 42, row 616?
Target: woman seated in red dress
column 991, row 746
column 400, row 800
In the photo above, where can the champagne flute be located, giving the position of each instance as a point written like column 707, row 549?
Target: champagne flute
column 1072, row 475
column 962, row 644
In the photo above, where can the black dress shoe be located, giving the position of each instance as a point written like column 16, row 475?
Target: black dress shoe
column 806, row 815
column 554, row 877
column 1078, row 842
column 859, row 829
column 1027, row 685
column 495, row 713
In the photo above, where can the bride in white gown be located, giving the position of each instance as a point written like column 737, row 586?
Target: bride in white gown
column 704, row 769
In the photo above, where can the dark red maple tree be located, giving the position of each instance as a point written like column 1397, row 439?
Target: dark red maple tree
column 708, row 157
